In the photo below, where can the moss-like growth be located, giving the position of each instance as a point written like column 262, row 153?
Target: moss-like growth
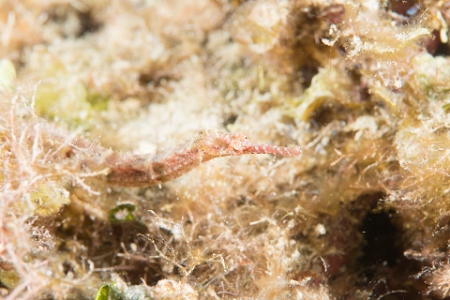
column 361, row 86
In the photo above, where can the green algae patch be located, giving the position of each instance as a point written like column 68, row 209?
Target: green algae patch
column 108, row 292
column 122, row 213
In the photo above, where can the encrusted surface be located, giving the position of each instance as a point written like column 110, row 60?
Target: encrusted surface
column 362, row 87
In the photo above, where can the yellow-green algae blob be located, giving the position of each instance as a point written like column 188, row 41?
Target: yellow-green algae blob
column 108, row 292
column 75, row 104
column 329, row 84
column 48, row 199
column 9, row 278
column 7, row 76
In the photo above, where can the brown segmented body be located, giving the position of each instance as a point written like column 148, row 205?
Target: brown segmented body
column 140, row 171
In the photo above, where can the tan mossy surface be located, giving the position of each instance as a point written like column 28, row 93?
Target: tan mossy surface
column 362, row 86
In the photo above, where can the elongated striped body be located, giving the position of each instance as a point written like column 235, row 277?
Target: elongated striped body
column 140, row 170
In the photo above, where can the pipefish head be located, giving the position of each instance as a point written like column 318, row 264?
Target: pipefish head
column 216, row 144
